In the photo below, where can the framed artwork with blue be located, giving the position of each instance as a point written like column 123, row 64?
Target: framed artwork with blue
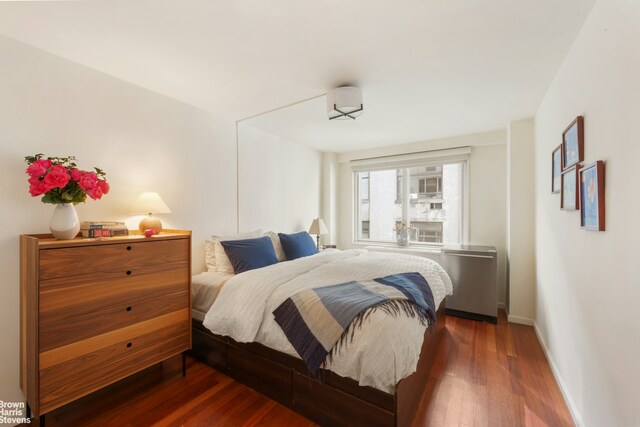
column 592, row 196
column 569, row 195
column 556, row 169
column 573, row 143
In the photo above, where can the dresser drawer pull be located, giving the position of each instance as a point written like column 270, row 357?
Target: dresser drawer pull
column 128, row 272
column 128, row 308
column 129, row 345
column 129, row 248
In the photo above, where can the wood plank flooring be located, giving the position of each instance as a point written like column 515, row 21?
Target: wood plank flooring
column 483, row 375
column 491, row 375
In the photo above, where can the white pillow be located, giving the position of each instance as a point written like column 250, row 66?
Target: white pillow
column 275, row 239
column 223, row 265
column 210, row 255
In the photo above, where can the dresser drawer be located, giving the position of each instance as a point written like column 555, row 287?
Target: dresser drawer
column 83, row 373
column 60, row 328
column 77, row 295
column 68, row 262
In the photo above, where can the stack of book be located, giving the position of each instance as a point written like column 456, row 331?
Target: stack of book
column 103, row 228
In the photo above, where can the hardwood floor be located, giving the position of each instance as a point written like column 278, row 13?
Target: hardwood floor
column 491, row 375
column 484, row 375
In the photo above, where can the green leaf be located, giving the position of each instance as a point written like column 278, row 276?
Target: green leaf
column 31, row 159
column 48, row 198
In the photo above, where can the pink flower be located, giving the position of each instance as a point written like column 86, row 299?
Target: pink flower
column 37, row 187
column 101, row 188
column 95, row 193
column 88, row 181
column 76, row 174
column 56, row 178
column 59, row 168
column 104, row 186
column 39, row 167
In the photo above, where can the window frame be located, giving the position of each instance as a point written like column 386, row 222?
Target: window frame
column 405, row 162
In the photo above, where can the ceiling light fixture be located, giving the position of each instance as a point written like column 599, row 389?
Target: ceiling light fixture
column 344, row 103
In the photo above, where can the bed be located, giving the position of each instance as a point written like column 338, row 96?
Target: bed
column 369, row 382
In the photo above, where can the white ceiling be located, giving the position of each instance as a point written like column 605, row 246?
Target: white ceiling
column 427, row 68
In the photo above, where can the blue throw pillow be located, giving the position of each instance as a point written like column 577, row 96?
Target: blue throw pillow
column 297, row 245
column 249, row 254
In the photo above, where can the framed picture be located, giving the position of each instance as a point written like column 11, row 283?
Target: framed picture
column 556, row 169
column 569, row 195
column 573, row 143
column 592, row 196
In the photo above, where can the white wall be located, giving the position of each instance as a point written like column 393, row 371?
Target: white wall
column 588, row 283
column 141, row 139
column 144, row 141
column 329, row 204
column 279, row 182
column 521, row 222
column 487, row 182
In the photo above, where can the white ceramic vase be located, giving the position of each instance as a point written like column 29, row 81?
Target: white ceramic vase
column 65, row 223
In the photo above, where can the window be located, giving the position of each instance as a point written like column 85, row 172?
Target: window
column 428, row 232
column 428, row 193
column 364, row 231
column 377, row 201
column 364, row 186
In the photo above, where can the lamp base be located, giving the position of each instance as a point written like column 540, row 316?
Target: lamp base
column 150, row 222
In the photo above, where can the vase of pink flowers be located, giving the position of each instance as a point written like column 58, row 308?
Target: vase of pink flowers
column 403, row 231
column 59, row 181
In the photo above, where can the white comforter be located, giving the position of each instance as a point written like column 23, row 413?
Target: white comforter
column 384, row 351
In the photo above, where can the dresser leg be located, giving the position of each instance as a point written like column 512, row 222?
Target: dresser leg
column 41, row 420
column 184, row 364
column 28, row 411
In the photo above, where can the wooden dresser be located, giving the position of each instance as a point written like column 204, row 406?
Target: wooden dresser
column 95, row 311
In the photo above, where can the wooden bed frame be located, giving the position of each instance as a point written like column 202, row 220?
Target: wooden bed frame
column 332, row 401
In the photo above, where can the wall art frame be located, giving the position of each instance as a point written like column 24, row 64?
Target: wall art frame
column 591, row 185
column 569, row 194
column 573, row 143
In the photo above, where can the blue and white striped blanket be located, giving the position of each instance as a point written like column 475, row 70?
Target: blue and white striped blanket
column 318, row 321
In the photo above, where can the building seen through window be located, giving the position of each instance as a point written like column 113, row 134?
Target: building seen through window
column 432, row 205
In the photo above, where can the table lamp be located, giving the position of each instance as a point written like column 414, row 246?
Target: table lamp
column 150, row 203
column 318, row 228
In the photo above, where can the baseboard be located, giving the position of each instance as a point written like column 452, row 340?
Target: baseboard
column 575, row 414
column 521, row 320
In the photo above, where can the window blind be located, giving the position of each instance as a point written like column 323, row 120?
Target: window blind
column 400, row 161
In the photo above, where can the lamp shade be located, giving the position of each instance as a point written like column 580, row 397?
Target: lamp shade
column 344, row 103
column 150, row 203
column 318, row 227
